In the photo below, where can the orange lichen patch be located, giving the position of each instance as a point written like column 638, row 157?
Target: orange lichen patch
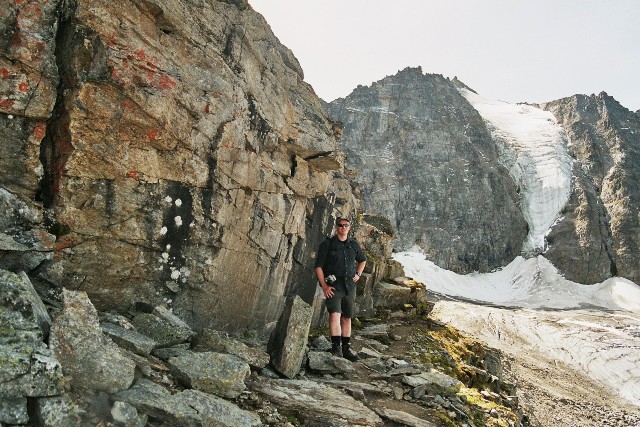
column 133, row 174
column 139, row 68
column 166, row 82
column 152, row 134
column 39, row 131
column 5, row 103
column 47, row 240
column 4, row 73
column 23, row 87
column 63, row 244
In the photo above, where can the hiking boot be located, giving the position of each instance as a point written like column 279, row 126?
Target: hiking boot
column 336, row 351
column 348, row 354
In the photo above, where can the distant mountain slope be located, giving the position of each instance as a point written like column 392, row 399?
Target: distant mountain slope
column 425, row 159
column 475, row 182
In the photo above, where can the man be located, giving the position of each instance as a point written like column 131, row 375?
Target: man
column 342, row 257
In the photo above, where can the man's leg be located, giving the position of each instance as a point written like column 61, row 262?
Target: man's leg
column 345, row 326
column 335, row 332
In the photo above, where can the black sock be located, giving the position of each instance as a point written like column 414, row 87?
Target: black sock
column 335, row 340
column 345, row 341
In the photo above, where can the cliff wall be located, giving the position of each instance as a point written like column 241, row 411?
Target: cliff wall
column 163, row 153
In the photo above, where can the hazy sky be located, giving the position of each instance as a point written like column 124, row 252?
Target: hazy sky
column 511, row 50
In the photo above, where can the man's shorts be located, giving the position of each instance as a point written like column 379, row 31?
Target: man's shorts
column 341, row 302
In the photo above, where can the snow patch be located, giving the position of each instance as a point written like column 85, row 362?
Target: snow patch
column 535, row 153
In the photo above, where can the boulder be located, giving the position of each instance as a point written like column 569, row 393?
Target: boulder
column 156, row 401
column 219, row 412
column 403, row 418
column 288, row 342
column 211, row 340
column 435, row 380
column 186, row 408
column 127, row 415
column 216, row 373
column 323, row 362
column 13, row 410
column 90, row 359
column 316, row 404
column 57, row 411
column 28, row 367
column 163, row 326
column 129, row 339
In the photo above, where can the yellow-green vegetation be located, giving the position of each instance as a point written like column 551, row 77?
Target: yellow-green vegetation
column 486, row 412
column 292, row 418
column 447, row 350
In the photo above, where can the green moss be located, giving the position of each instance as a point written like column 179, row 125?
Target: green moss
column 292, row 418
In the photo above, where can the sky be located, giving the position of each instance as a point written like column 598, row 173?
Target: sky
column 509, row 50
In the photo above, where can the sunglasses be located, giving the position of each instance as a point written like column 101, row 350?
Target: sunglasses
column 344, row 225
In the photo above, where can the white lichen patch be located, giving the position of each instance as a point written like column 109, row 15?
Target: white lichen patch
column 168, row 199
column 168, row 247
column 175, row 274
column 165, row 256
column 178, row 220
column 178, row 202
column 163, row 231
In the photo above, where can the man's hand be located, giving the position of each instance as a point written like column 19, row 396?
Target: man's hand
column 329, row 291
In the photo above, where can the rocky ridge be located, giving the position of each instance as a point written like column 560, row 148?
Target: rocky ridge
column 148, row 368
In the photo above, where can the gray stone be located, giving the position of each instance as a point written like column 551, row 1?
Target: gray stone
column 27, row 365
column 13, row 410
column 367, row 353
column 392, row 296
column 288, row 342
column 211, row 340
column 163, row 327
column 186, row 408
column 127, row 415
column 435, row 381
column 129, row 339
column 317, row 404
column 90, row 359
column 324, row 363
column 174, row 351
column 154, row 400
column 219, row 412
column 215, row 373
column 404, row 418
column 57, row 411
column 321, row 343
column 378, row 332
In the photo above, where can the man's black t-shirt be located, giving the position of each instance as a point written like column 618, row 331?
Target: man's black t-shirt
column 339, row 257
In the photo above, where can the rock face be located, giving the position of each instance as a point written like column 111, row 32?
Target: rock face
column 425, row 159
column 599, row 235
column 174, row 151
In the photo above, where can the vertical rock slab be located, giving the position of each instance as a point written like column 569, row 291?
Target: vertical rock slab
column 27, row 366
column 288, row 341
column 90, row 359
